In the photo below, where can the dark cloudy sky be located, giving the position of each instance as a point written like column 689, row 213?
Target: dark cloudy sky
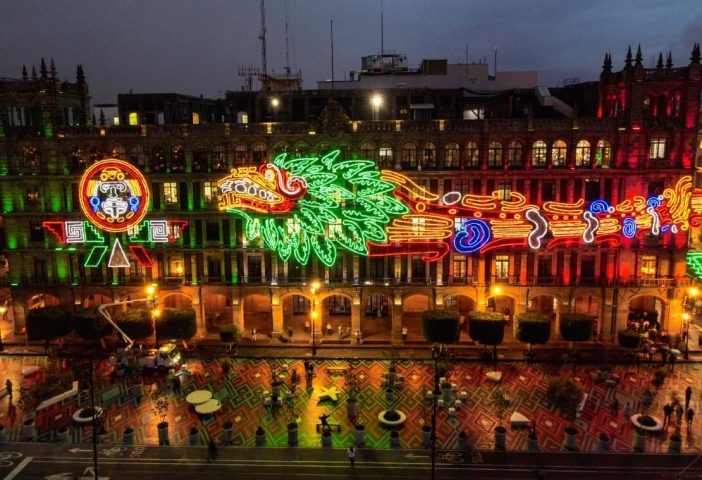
column 196, row 47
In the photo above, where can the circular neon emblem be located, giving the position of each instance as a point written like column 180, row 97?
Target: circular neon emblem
column 113, row 195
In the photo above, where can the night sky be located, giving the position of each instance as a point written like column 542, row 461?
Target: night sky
column 196, row 47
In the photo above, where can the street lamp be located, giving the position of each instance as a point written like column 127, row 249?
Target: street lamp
column 692, row 294
column 376, row 103
column 438, row 353
column 314, row 287
column 274, row 104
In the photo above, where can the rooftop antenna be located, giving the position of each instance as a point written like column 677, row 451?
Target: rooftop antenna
column 331, row 32
column 287, row 49
column 262, row 37
column 382, row 33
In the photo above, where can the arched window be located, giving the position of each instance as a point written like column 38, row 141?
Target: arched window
column 385, row 156
column 559, row 153
column 136, row 155
column 472, row 155
column 260, row 153
column 429, row 155
column 158, row 159
column 301, row 149
column 96, row 155
column 495, row 155
column 178, row 158
column 199, row 158
column 582, row 154
column 661, row 106
column 451, row 155
column 79, row 159
column 241, row 156
column 118, row 152
column 30, row 157
column 603, row 154
column 409, row 156
column 219, row 158
column 539, row 154
column 515, row 155
column 368, row 152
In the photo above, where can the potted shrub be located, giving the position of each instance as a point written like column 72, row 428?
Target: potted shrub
column 292, row 417
column 674, row 443
column 603, row 443
column 176, row 324
column 128, row 436
column 500, row 402
column 359, row 434
column 352, row 388
column 227, row 433
column 576, row 327
column 160, row 409
column 533, row 327
column 571, row 437
column 487, row 328
column 629, row 339
column 260, row 436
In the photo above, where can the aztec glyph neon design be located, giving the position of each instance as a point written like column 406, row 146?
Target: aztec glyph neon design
column 114, row 196
column 317, row 206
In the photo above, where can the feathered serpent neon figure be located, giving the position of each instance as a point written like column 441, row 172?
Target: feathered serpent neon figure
column 317, row 206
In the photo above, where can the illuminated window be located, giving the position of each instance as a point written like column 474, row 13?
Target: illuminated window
column 582, row 154
column 178, row 158
column 210, row 191
column 429, row 155
column 502, row 267
column 451, row 155
column 175, row 267
column 460, row 268
column 115, row 121
column 32, row 196
column 293, row 226
column 241, row 156
column 219, row 159
column 559, row 153
column 539, row 154
column 79, row 159
column 603, row 154
column 133, row 118
column 515, row 154
column 504, row 190
column 495, row 155
column 472, row 155
column 474, row 112
column 30, row 157
column 656, row 150
column 158, row 159
column 458, row 223
column 95, row 155
column 648, row 265
column 334, row 229
column 196, row 118
column 385, row 155
column 260, row 153
column 170, row 192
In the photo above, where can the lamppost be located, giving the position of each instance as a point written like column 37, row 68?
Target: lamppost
column 376, row 103
column 314, row 287
column 3, row 311
column 274, row 104
column 692, row 293
column 439, row 353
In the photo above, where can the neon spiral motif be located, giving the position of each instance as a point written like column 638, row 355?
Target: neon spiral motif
column 475, row 234
column 629, row 228
column 599, row 206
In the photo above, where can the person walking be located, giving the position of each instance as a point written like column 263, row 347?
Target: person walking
column 615, row 408
column 688, row 397
column 667, row 412
column 253, row 334
column 211, row 450
column 689, row 416
column 8, row 388
column 176, row 385
column 627, row 411
column 352, row 456
column 671, row 362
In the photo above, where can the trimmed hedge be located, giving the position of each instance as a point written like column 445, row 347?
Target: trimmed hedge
column 90, row 325
column 135, row 322
column 49, row 322
column 441, row 326
column 533, row 327
column 487, row 328
column 176, row 324
column 577, row 327
column 629, row 339
column 229, row 333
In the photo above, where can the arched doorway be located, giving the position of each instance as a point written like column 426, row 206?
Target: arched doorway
column 377, row 317
column 503, row 304
column 548, row 305
column 297, row 311
column 336, row 318
column 258, row 314
column 412, row 308
column 217, row 310
column 645, row 316
column 42, row 300
column 462, row 304
column 590, row 305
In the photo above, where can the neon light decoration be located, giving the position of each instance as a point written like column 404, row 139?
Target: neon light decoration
column 316, row 206
column 114, row 196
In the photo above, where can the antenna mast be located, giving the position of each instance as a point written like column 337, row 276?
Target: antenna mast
column 262, row 37
column 287, row 48
column 382, row 33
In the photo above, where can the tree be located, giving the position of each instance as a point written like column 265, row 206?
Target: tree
column 49, row 323
column 176, row 324
column 487, row 328
column 533, row 327
column 441, row 326
column 90, row 325
column 565, row 394
column 576, row 327
column 136, row 323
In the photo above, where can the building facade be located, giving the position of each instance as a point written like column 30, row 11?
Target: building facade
column 582, row 198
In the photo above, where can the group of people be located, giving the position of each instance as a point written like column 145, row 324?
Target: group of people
column 680, row 411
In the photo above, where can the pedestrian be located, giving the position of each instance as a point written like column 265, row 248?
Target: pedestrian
column 638, row 362
column 211, row 450
column 176, row 384
column 340, row 330
column 688, row 396
column 8, row 388
column 667, row 412
column 352, row 456
column 274, row 403
column 404, row 334
column 690, row 415
column 615, row 408
column 358, row 337
column 253, row 334
column 671, row 362
column 627, row 411
column 678, row 414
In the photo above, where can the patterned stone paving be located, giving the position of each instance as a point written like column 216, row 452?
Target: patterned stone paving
column 241, row 392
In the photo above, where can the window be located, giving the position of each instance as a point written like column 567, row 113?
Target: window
column 502, row 267
column 657, row 149
column 32, row 196
column 603, row 154
column 335, row 229
column 495, row 155
column 514, row 155
column 655, row 188
column 473, row 112
column 178, row 158
column 538, row 154
column 368, row 151
column 95, row 155
column 170, row 193
column 409, row 156
column 385, row 155
column 451, row 155
column 260, row 153
column 199, row 159
column 559, row 153
column 175, row 267
column 133, row 118
column 36, row 232
column 460, row 268
column 648, row 265
column 79, row 159
column 418, row 226
column 158, row 159
column 136, row 156
column 592, row 189
column 582, row 154
column 219, row 159
column 241, row 156
column 472, row 155
column 429, row 155
column 504, row 190
column 548, row 191
column 210, row 190
column 118, row 152
column 212, row 231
